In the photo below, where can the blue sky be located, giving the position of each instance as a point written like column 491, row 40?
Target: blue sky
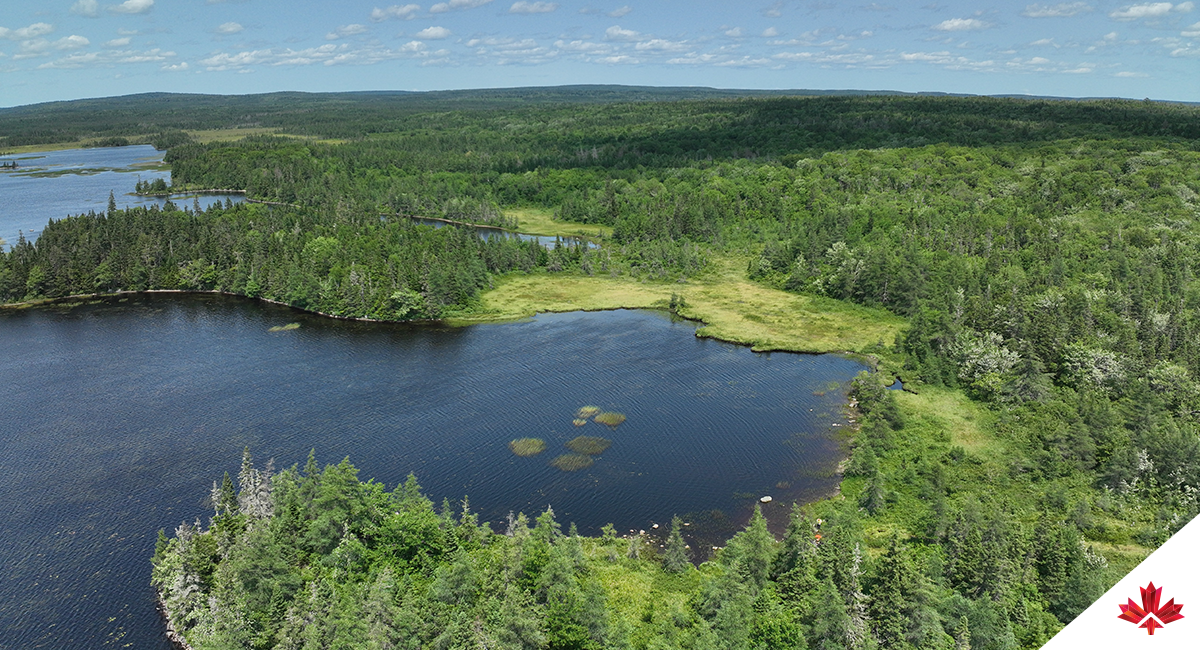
column 69, row 49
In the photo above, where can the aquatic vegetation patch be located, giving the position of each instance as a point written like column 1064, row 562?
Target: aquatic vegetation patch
column 589, row 445
column 572, row 462
column 610, row 418
column 586, row 412
column 285, row 328
column 579, row 422
column 525, row 447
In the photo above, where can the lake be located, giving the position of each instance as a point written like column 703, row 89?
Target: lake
column 118, row 414
column 55, row 184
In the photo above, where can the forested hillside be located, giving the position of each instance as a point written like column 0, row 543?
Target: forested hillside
column 1043, row 253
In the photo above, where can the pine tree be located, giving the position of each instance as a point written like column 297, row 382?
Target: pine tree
column 676, row 558
column 112, row 203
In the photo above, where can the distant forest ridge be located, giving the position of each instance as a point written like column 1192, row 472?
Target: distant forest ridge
column 366, row 112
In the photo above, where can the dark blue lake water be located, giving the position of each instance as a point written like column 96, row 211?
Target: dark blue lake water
column 55, row 184
column 117, row 415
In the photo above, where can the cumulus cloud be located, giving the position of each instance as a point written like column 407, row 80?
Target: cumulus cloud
column 229, row 28
column 960, row 25
column 770, row 32
column 40, row 46
column 118, row 42
column 1128, row 74
column 89, row 8
column 177, row 67
column 1193, row 31
column 523, row 7
column 329, row 54
column 1062, row 9
column 620, row 11
column 736, row 32
column 1148, row 10
column 402, row 12
column 443, row 7
column 346, row 30
column 433, row 33
column 32, row 31
column 616, row 33
column 108, row 59
column 775, row 10
column 132, row 7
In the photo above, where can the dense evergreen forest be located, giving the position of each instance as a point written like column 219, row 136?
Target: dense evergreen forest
column 1043, row 253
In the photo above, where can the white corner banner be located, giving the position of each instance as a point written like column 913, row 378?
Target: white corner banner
column 1131, row 616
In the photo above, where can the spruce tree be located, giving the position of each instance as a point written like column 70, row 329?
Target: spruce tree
column 112, row 203
column 676, row 558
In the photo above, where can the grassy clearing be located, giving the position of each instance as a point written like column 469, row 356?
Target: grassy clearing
column 229, row 135
column 538, row 221
column 732, row 308
column 967, row 424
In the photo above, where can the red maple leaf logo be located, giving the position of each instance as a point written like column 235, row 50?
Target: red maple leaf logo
column 1150, row 615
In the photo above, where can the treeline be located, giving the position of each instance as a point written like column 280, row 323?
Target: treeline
column 315, row 558
column 629, row 126
column 351, row 264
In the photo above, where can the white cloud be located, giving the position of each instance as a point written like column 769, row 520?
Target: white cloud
column 132, row 7
column 770, row 32
column 402, row 12
column 1193, row 31
column 108, row 59
column 1149, row 10
column 118, row 42
column 1055, row 11
column 329, row 54
column 585, row 47
column 443, row 7
column 661, row 45
column 736, row 32
column 1185, row 7
column 1128, row 74
column 523, row 7
column 41, row 47
column 1043, row 41
column 32, row 31
column 1037, row 60
column 775, row 10
column 346, row 30
column 433, row 33
column 89, row 8
column 178, row 67
column 229, row 28
column 616, row 33
column 960, row 25
column 620, row 12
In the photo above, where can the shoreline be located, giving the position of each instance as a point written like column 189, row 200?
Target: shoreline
column 453, row 321
column 174, row 636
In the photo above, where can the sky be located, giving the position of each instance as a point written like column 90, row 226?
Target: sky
column 72, row 49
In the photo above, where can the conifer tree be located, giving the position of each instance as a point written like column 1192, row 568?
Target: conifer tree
column 676, row 559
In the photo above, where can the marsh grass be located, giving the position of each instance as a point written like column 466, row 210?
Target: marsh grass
column 572, row 462
column 285, row 328
column 589, row 445
column 579, row 422
column 586, row 412
column 610, row 418
column 525, row 447
column 722, row 297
